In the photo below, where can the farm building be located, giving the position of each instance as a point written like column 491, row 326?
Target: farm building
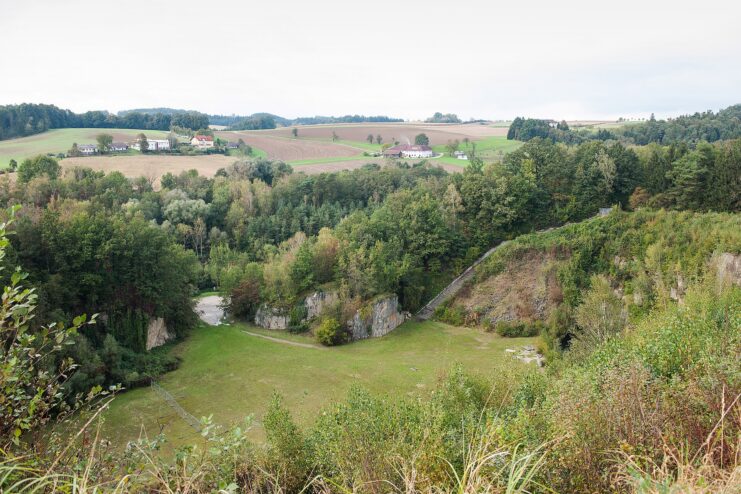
column 87, row 149
column 202, row 142
column 232, row 145
column 153, row 145
column 460, row 155
column 409, row 151
column 119, row 147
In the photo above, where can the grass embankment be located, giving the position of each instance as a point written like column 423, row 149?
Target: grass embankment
column 61, row 140
column 232, row 375
column 488, row 149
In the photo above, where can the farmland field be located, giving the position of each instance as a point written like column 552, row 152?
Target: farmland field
column 231, row 374
column 60, row 141
column 313, row 151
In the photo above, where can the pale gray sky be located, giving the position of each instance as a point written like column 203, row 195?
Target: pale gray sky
column 477, row 58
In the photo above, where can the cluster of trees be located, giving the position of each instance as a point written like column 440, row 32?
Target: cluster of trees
column 344, row 119
column 689, row 129
column 87, row 252
column 28, row 119
column 255, row 122
column 443, row 118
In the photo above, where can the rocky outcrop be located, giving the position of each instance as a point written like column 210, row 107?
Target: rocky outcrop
column 728, row 268
column 376, row 319
column 157, row 334
column 318, row 302
column 271, row 318
column 276, row 318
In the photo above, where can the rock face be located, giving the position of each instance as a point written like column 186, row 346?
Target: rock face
column 729, row 268
column 318, row 301
column 276, row 318
column 157, row 334
column 377, row 319
column 271, row 318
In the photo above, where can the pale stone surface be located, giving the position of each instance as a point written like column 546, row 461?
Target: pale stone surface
column 729, row 268
column 271, row 318
column 210, row 310
column 382, row 317
column 157, row 334
column 318, row 301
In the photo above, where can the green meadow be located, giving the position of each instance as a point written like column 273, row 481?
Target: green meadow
column 61, row 140
column 231, row 375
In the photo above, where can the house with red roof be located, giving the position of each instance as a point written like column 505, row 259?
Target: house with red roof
column 202, row 142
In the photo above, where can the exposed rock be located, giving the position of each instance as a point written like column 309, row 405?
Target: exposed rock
column 318, row 301
column 271, row 318
column 527, row 354
column 377, row 319
column 157, row 334
column 729, row 268
column 276, row 318
column 210, row 309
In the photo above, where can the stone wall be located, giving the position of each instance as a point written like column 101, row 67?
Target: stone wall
column 157, row 334
column 729, row 268
column 377, row 319
column 276, row 318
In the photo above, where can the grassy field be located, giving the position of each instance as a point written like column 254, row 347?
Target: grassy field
column 489, row 149
column 232, row 375
column 60, row 141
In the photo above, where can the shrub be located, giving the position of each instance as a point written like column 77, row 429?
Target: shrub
column 296, row 316
column 329, row 332
column 518, row 329
column 451, row 315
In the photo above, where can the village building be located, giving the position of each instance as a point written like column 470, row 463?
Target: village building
column 460, row 155
column 202, row 142
column 232, row 145
column 87, row 149
column 153, row 145
column 119, row 147
column 409, row 151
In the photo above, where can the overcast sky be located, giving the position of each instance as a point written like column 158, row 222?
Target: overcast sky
column 477, row 58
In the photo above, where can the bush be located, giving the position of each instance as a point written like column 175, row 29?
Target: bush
column 330, row 332
column 518, row 329
column 451, row 315
column 296, row 323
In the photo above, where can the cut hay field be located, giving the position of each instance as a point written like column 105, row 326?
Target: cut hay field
column 232, row 375
column 61, row 140
column 489, row 149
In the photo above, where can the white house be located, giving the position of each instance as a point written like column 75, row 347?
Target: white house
column 202, row 142
column 409, row 151
column 119, row 147
column 460, row 155
column 87, row 149
column 153, row 145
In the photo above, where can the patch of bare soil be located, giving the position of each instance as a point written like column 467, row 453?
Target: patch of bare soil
column 526, row 290
column 288, row 149
column 438, row 133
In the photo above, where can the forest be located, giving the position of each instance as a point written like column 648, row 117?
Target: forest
column 29, row 119
column 691, row 130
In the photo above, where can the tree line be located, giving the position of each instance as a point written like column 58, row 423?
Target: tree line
column 29, row 119
column 689, row 129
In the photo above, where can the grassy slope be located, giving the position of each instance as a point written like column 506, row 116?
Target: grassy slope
column 232, row 375
column 59, row 141
column 488, row 149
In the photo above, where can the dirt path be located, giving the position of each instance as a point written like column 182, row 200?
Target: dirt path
column 285, row 342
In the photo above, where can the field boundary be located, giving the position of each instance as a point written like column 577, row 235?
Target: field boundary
column 170, row 400
column 284, row 342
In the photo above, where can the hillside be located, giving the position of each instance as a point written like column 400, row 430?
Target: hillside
column 648, row 257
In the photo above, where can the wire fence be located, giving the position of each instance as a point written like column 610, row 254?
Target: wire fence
column 190, row 419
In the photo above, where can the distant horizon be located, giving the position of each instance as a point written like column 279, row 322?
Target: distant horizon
column 644, row 115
